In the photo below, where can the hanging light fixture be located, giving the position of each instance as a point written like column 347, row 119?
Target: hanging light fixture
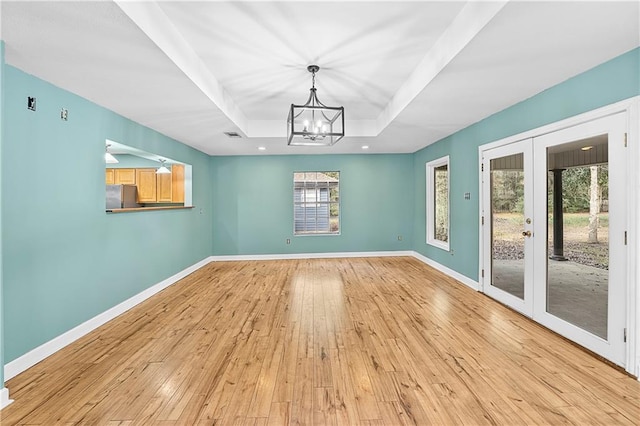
column 108, row 158
column 314, row 123
column 162, row 169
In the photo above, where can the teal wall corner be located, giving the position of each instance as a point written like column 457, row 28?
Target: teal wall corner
column 2, row 66
column 65, row 259
column 253, row 199
column 610, row 82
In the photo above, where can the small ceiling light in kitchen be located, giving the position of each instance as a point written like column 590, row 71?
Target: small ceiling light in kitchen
column 108, row 158
column 162, row 169
column 314, row 123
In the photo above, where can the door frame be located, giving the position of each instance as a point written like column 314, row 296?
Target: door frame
column 631, row 108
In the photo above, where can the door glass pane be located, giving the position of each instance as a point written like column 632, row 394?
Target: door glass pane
column 578, row 233
column 507, row 223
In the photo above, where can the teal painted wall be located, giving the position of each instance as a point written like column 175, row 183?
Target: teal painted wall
column 253, row 199
column 613, row 81
column 1, row 203
column 65, row 259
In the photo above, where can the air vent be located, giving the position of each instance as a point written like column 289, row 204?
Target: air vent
column 233, row 134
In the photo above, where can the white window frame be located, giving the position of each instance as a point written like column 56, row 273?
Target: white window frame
column 430, row 219
column 329, row 203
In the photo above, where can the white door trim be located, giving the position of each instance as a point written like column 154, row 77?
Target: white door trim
column 622, row 106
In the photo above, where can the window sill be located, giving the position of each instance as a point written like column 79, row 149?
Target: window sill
column 317, row 234
column 438, row 244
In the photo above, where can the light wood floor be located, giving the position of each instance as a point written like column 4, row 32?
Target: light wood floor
column 342, row 341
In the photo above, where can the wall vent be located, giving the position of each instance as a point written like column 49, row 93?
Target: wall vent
column 233, row 134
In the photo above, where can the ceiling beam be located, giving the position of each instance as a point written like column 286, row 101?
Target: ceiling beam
column 473, row 17
column 152, row 20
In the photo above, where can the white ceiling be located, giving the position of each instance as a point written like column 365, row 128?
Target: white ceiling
column 407, row 73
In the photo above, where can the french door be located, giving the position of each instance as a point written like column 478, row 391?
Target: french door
column 507, row 225
column 554, row 231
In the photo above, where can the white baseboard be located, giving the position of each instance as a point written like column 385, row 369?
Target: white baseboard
column 453, row 274
column 4, row 398
column 311, row 255
column 36, row 355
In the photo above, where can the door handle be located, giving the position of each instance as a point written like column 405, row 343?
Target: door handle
column 526, row 233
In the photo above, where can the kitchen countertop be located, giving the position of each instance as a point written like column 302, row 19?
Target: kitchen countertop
column 142, row 209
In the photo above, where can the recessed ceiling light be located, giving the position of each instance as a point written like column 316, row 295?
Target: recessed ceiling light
column 262, row 148
column 586, row 148
column 365, row 146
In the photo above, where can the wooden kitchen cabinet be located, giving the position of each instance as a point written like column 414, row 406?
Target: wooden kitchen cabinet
column 177, row 183
column 152, row 187
column 110, row 176
column 163, row 188
column 125, row 176
column 120, row 176
column 146, row 183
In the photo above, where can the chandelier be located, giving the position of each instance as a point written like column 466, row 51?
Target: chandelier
column 314, row 123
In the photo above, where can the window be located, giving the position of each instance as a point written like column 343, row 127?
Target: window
column 316, row 203
column 438, row 203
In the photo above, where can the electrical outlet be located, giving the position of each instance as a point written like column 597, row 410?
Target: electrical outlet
column 31, row 103
column 288, row 240
column 64, row 114
column 467, row 195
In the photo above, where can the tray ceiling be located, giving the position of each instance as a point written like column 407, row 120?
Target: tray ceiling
column 407, row 73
